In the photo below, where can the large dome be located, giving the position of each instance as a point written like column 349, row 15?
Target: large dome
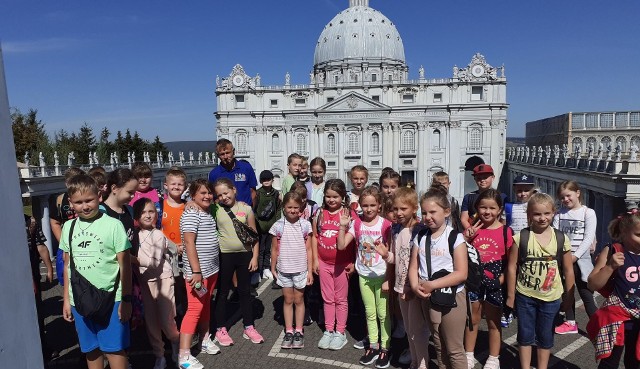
column 359, row 34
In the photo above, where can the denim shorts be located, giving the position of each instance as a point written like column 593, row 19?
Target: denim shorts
column 536, row 321
column 111, row 338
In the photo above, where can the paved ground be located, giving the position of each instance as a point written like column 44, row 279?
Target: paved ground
column 571, row 351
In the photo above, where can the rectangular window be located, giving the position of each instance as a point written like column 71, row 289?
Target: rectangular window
column 592, row 120
column 336, row 78
column 375, row 98
column 577, row 121
column 634, row 119
column 407, row 162
column 374, row 77
column 330, row 99
column 606, row 120
column 273, row 103
column 621, row 119
column 331, row 163
column 437, row 97
column 407, row 99
column 239, row 101
column 476, row 93
column 301, row 102
column 375, row 163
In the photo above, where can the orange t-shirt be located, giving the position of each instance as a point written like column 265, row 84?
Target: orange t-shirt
column 171, row 222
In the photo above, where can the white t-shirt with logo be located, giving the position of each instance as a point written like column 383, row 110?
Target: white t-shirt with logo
column 580, row 226
column 441, row 258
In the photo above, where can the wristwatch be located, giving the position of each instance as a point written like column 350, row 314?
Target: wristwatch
column 126, row 298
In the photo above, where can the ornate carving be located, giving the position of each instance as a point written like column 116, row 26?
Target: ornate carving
column 396, row 127
column 423, row 125
column 237, row 79
column 494, row 122
column 436, row 124
column 455, row 124
column 352, row 102
column 477, row 70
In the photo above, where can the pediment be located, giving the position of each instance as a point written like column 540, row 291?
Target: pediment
column 353, row 101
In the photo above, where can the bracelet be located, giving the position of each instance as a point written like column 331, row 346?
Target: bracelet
column 196, row 272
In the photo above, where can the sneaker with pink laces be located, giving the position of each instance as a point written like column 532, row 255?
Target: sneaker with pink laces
column 567, row 328
column 250, row 333
column 223, row 338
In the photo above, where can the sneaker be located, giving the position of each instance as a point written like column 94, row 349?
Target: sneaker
column 250, row 333
column 325, row 341
column 384, row 358
column 161, row 363
column 369, row 356
column 191, row 363
column 504, row 322
column 223, row 338
column 471, row 360
column 338, row 341
column 567, row 328
column 209, row 347
column 405, row 357
column 298, row 340
column 287, row 341
column 266, row 274
column 492, row 362
column 362, row 344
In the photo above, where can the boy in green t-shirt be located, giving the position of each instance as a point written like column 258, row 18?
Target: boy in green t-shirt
column 100, row 250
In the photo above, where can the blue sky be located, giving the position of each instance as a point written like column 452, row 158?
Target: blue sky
column 151, row 65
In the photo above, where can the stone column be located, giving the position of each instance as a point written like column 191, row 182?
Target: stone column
column 340, row 148
column 321, row 144
column 396, row 146
column 365, row 135
column 387, row 146
column 421, row 180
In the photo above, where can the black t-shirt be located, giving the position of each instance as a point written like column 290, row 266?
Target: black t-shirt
column 126, row 217
column 61, row 211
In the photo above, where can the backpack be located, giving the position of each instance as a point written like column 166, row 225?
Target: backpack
column 267, row 206
column 524, row 242
column 474, row 272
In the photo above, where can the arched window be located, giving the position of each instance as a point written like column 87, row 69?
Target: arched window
column 241, row 141
column 635, row 140
column 408, row 141
column 375, row 142
column 475, row 137
column 275, row 142
column 606, row 141
column 331, row 143
column 353, row 146
column 435, row 142
column 575, row 142
column 623, row 143
column 301, row 143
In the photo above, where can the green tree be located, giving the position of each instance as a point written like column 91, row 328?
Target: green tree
column 119, row 145
column 156, row 146
column 104, row 147
column 85, row 143
column 29, row 135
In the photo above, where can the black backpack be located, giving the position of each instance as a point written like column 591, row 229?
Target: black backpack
column 267, row 209
column 524, row 242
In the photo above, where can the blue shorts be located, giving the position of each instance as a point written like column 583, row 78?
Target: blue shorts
column 112, row 338
column 536, row 321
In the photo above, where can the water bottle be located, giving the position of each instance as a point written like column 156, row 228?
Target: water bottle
column 200, row 289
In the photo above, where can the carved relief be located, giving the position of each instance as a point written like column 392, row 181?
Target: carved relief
column 477, row 70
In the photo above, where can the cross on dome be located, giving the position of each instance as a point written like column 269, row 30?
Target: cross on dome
column 353, row 3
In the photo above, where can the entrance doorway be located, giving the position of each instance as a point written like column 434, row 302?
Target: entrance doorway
column 408, row 176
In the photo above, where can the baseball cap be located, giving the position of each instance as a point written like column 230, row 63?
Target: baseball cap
column 266, row 175
column 482, row 169
column 523, row 179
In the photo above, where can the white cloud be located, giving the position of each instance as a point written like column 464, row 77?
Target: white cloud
column 36, row 46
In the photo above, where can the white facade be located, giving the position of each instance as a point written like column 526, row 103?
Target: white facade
column 360, row 107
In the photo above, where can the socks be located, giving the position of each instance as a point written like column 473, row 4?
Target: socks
column 289, row 330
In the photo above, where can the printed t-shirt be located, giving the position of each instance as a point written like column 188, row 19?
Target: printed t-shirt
column 243, row 177
column 207, row 243
column 580, row 226
column 368, row 262
column 401, row 248
column 441, row 258
column 154, row 195
column 541, row 279
column 328, row 240
column 490, row 244
column 229, row 241
column 626, row 283
column 151, row 255
column 519, row 219
column 171, row 221
column 292, row 250
column 95, row 248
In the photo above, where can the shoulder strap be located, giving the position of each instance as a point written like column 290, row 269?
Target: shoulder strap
column 59, row 204
column 505, row 237
column 229, row 212
column 522, row 245
column 560, row 252
column 427, row 252
column 73, row 224
column 453, row 236
column 421, row 233
column 357, row 223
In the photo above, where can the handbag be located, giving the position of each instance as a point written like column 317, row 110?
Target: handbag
column 90, row 301
column 444, row 297
column 246, row 234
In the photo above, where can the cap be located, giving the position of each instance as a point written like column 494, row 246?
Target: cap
column 482, row 169
column 266, row 175
column 523, row 179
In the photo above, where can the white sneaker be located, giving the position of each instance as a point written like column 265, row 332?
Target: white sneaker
column 493, row 362
column 471, row 360
column 209, row 347
column 405, row 357
column 266, row 274
column 161, row 363
column 191, row 363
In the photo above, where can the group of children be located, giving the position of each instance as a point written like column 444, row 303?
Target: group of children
column 440, row 267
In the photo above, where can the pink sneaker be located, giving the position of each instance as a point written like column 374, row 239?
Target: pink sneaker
column 223, row 338
column 250, row 333
column 567, row 328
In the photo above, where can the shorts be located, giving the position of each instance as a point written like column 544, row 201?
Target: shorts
column 292, row 280
column 111, row 338
column 494, row 297
column 536, row 320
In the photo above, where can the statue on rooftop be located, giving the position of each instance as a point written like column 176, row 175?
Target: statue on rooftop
column 70, row 158
column 600, row 150
column 421, row 72
column 287, row 79
column 633, row 151
column 41, row 159
column 26, row 159
column 56, row 159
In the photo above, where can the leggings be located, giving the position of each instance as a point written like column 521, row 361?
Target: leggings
column 237, row 262
column 585, row 294
column 199, row 309
column 629, row 348
column 334, row 285
column 375, row 306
